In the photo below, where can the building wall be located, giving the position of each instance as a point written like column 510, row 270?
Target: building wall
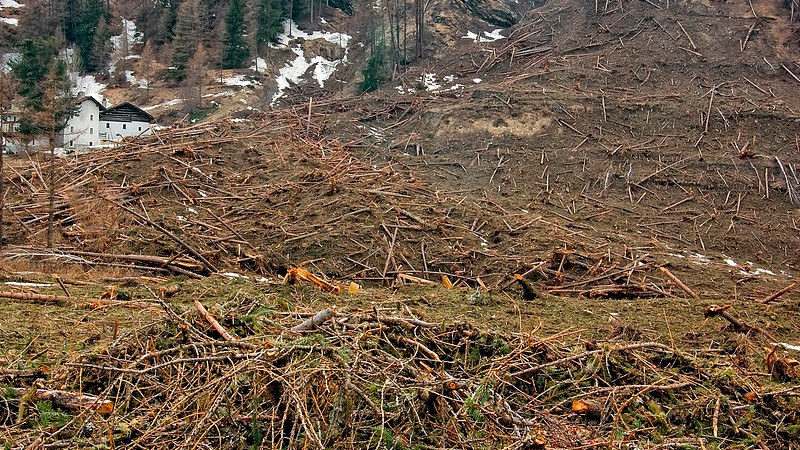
column 114, row 131
column 83, row 130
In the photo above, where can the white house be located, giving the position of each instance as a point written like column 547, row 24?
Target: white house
column 94, row 125
column 124, row 120
column 11, row 139
column 83, row 129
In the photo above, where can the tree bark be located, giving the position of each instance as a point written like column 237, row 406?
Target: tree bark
column 70, row 400
column 318, row 319
column 51, row 189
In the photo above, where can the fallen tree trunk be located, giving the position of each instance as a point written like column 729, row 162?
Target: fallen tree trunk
column 70, row 400
column 63, row 299
column 318, row 319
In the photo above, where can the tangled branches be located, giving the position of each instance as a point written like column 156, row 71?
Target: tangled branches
column 366, row 379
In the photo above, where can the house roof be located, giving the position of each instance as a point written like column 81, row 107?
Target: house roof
column 125, row 112
column 91, row 98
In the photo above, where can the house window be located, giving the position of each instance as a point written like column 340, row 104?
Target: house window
column 124, row 126
column 91, row 117
column 71, row 129
column 91, row 130
column 140, row 128
column 91, row 143
column 71, row 144
column 108, row 125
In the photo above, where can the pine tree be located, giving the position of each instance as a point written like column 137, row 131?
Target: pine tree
column 375, row 72
column 269, row 18
column 186, row 38
column 91, row 16
column 32, row 67
column 100, row 51
column 48, row 102
column 235, row 52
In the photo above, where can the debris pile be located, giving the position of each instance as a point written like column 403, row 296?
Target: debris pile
column 257, row 377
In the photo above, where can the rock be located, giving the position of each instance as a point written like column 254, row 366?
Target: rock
column 495, row 12
column 344, row 5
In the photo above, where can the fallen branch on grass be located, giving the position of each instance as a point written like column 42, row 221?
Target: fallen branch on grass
column 314, row 322
column 64, row 300
column 778, row 294
column 210, row 319
column 677, row 281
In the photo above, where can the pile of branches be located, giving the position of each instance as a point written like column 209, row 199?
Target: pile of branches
column 261, row 196
column 257, row 378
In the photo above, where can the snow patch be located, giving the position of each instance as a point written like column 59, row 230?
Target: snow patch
column 477, row 80
column 294, row 70
column 12, row 22
column 259, row 65
column 173, row 102
column 699, row 259
column 87, row 85
column 6, row 59
column 488, row 36
column 133, row 81
column 402, row 90
column 234, row 275
column 10, row 4
column 220, row 94
column 129, row 36
column 429, row 80
column 122, row 44
column 238, row 80
column 788, row 346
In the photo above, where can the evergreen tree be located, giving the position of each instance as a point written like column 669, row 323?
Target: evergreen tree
column 92, row 14
column 31, row 69
column 187, row 37
column 269, row 18
column 100, row 52
column 44, row 86
column 235, row 52
column 375, row 72
column 48, row 102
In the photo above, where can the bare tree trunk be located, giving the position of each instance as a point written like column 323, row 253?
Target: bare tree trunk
column 51, row 181
column 2, row 178
column 405, row 30
column 419, row 11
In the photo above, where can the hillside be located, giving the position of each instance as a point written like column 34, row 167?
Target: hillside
column 563, row 225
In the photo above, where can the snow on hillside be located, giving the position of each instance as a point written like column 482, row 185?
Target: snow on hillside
column 123, row 43
column 295, row 69
column 10, row 4
column 487, row 36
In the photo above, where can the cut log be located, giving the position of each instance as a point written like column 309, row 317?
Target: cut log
column 318, row 319
column 678, row 282
column 70, row 400
column 589, row 408
column 64, row 300
column 528, row 291
column 778, row 294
